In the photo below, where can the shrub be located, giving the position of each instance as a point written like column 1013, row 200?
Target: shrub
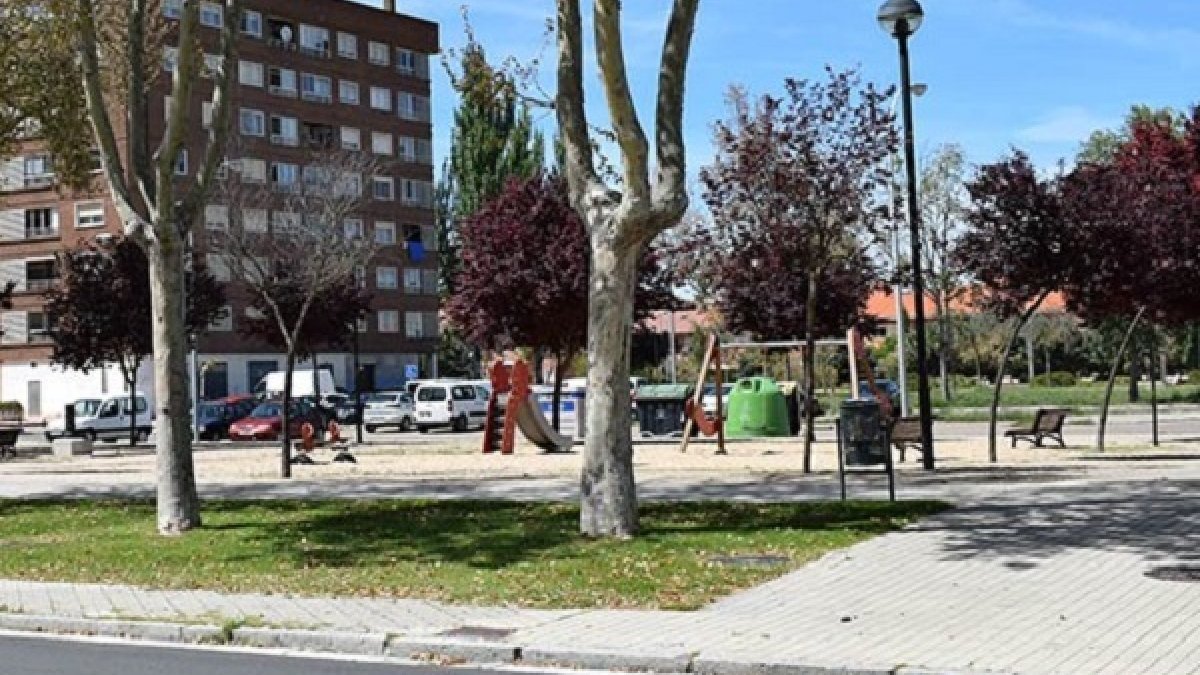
column 1056, row 378
column 1193, row 377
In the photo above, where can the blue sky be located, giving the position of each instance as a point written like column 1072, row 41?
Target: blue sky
column 1037, row 74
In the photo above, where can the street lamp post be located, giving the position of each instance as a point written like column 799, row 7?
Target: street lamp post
column 901, row 19
column 917, row 89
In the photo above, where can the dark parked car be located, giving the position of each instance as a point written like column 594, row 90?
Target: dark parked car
column 217, row 416
column 888, row 387
column 265, row 422
column 346, row 413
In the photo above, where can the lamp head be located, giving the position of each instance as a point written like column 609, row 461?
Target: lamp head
column 900, row 18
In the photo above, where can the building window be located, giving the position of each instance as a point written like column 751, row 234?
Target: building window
column 285, row 222
column 389, row 321
column 377, row 53
column 381, row 143
column 89, row 215
column 216, row 217
column 252, row 23
column 281, row 81
column 385, row 277
column 213, row 63
column 283, row 175
column 173, row 9
column 211, row 15
column 406, row 147
column 170, row 58
column 252, row 122
column 318, row 88
column 206, row 114
column 360, row 277
column 351, row 138
column 412, row 281
column 414, row 325
column 353, row 228
column 38, row 171
column 285, row 131
column 406, row 61
column 41, row 223
column 412, row 107
column 38, row 323
column 416, row 192
column 254, row 220
column 381, row 99
column 348, row 92
column 385, row 233
column 314, row 40
column 253, row 170
column 181, row 163
column 347, row 45
column 383, row 188
column 250, row 73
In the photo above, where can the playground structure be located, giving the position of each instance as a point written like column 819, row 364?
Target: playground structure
column 697, row 418
column 513, row 406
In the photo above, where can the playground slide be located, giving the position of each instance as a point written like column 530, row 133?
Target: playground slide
column 537, row 428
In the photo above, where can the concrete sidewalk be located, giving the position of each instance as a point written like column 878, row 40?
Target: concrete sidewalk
column 1025, row 577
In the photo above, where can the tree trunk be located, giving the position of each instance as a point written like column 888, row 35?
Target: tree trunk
column 1002, row 369
column 1031, row 357
column 131, row 382
column 1154, row 374
column 178, row 503
column 1135, row 374
column 608, row 493
column 1112, row 379
column 810, row 366
column 556, row 399
column 944, row 346
column 285, row 456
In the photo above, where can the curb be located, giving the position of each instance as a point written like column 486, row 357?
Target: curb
column 432, row 649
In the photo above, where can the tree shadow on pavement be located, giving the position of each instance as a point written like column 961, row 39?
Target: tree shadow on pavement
column 1156, row 519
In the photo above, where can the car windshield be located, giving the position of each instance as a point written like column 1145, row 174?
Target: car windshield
column 431, row 394
column 86, row 407
column 212, row 412
column 381, row 398
column 267, row 410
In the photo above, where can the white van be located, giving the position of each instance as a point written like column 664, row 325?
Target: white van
column 111, row 419
column 458, row 405
column 302, row 383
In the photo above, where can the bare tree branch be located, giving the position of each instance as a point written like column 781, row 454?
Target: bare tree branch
column 572, row 117
column 214, row 154
column 671, row 181
column 135, row 99
column 610, row 54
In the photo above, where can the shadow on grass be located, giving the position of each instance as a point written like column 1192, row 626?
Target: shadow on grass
column 495, row 535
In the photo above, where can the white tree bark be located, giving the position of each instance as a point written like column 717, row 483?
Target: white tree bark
column 620, row 224
column 154, row 219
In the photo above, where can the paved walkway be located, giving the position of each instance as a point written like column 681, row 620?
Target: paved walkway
column 1038, row 573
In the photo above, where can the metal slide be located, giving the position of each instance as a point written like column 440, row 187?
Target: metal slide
column 537, row 428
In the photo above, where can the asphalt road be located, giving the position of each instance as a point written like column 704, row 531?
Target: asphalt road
column 57, row 656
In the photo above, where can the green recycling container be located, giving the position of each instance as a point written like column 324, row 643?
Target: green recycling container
column 756, row 408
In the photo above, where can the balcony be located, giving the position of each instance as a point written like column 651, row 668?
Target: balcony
column 316, row 97
column 39, row 337
column 40, row 285
column 287, row 141
column 318, row 51
column 286, row 92
column 36, row 182
column 42, row 232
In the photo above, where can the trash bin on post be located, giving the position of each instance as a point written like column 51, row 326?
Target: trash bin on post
column 791, row 398
column 661, row 408
column 756, row 408
column 863, row 442
column 864, row 439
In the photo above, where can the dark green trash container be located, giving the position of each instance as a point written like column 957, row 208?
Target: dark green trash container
column 660, row 408
column 864, row 437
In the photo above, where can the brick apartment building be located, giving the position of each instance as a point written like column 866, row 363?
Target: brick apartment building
column 313, row 74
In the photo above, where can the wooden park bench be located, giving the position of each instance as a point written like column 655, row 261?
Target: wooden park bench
column 906, row 434
column 1047, row 423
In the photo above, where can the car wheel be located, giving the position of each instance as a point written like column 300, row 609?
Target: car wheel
column 143, row 436
column 422, row 428
column 90, row 435
column 460, row 424
column 50, row 437
column 406, row 424
column 370, row 428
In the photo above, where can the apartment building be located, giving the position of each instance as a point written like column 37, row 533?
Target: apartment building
column 311, row 75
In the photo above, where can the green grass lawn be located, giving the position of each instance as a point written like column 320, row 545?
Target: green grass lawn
column 525, row 554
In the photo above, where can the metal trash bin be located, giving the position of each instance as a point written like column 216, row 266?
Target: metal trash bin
column 864, row 437
column 661, row 408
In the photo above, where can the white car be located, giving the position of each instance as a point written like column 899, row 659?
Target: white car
column 388, row 409
column 110, row 420
column 708, row 401
column 56, row 424
column 458, row 405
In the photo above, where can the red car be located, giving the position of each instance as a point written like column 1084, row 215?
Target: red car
column 265, row 423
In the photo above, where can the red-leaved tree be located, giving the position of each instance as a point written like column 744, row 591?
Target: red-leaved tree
column 800, row 176
column 1016, row 247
